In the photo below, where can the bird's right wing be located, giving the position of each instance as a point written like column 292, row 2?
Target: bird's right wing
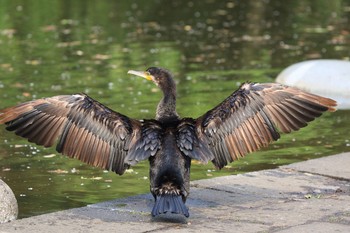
column 84, row 129
column 249, row 118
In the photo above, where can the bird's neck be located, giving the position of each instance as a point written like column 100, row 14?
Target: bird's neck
column 166, row 110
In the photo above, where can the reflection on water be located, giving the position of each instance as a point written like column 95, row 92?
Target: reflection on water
column 66, row 47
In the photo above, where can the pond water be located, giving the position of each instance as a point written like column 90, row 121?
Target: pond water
column 65, row 47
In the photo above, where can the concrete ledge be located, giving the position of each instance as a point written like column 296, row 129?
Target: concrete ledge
column 301, row 197
column 337, row 166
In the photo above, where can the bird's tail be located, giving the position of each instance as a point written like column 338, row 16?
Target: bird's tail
column 169, row 203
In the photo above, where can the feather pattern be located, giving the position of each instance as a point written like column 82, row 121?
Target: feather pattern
column 189, row 143
column 148, row 142
column 84, row 129
column 251, row 117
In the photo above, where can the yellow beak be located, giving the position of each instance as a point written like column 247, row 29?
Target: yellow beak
column 142, row 74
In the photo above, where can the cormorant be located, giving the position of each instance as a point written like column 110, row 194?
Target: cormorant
column 245, row 121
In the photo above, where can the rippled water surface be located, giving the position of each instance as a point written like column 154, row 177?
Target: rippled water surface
column 64, row 47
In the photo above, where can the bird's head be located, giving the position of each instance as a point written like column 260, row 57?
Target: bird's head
column 161, row 77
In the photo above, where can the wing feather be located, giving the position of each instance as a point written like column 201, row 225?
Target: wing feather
column 84, row 129
column 251, row 117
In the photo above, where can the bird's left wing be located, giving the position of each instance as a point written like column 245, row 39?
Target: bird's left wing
column 84, row 129
column 249, row 118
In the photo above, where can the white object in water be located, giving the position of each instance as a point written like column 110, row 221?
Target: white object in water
column 328, row 78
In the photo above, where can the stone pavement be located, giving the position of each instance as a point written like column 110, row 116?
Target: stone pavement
column 311, row 196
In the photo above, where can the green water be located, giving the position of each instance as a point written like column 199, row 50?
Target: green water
column 62, row 47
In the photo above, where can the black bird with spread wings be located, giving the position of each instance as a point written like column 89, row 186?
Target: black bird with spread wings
column 245, row 121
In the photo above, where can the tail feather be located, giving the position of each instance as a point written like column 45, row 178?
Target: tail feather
column 169, row 203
